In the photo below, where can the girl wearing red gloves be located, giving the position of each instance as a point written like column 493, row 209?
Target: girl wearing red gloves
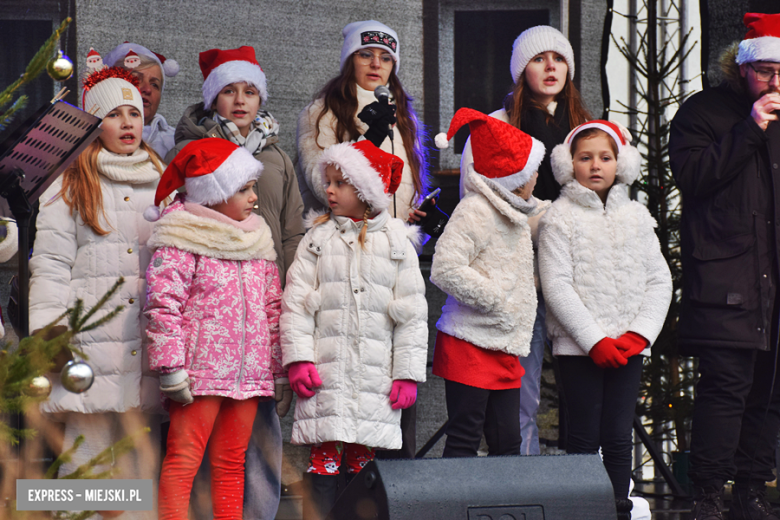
column 607, row 289
column 354, row 320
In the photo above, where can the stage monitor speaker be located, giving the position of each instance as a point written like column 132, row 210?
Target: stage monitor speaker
column 547, row 487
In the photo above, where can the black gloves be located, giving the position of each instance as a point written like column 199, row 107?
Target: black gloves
column 379, row 116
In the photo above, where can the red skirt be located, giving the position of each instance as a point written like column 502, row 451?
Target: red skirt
column 462, row 362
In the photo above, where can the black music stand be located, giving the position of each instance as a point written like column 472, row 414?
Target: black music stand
column 31, row 159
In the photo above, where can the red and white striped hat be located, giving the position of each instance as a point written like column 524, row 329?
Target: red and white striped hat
column 629, row 160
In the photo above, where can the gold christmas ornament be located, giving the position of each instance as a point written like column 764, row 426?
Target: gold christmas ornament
column 77, row 377
column 39, row 387
column 60, row 68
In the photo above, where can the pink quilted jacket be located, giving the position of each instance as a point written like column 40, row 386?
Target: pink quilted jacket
column 213, row 302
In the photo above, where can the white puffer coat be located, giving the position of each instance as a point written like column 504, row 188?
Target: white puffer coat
column 602, row 270
column 484, row 262
column 70, row 261
column 361, row 317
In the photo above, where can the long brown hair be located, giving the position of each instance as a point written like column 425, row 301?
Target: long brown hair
column 522, row 100
column 339, row 96
column 81, row 189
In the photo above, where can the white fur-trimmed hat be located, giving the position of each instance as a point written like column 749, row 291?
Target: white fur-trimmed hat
column 369, row 33
column 212, row 170
column 109, row 88
column 762, row 41
column 374, row 173
column 629, row 161
column 221, row 68
column 116, row 57
column 537, row 40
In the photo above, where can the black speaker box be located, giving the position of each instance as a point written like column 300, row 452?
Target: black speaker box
column 547, row 487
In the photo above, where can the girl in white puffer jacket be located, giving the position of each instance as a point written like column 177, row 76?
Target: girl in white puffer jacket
column 354, row 319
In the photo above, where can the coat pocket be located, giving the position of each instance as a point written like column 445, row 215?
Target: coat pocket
column 193, row 340
column 724, row 273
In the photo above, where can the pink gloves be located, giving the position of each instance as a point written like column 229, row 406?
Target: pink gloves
column 631, row 344
column 303, row 378
column 606, row 354
column 403, row 394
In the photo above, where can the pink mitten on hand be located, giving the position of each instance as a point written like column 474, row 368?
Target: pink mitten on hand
column 403, row 394
column 303, row 378
column 606, row 355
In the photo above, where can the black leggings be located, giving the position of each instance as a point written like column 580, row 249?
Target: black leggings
column 600, row 408
column 473, row 411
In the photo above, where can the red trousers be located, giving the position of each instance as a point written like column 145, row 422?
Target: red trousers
column 227, row 423
column 326, row 458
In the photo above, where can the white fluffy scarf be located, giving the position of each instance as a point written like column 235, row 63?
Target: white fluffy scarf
column 213, row 238
column 136, row 168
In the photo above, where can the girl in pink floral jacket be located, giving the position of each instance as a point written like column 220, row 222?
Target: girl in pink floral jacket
column 213, row 304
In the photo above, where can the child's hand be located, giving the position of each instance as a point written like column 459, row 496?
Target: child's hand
column 631, row 344
column 282, row 395
column 304, row 378
column 403, row 394
column 606, row 354
column 176, row 386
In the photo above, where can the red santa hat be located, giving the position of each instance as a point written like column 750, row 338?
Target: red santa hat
column 375, row 174
column 221, row 68
column 212, row 170
column 762, row 41
column 629, row 161
column 501, row 152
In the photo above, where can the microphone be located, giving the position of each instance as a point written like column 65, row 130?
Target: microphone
column 382, row 94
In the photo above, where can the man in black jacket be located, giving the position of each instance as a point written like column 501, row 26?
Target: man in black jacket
column 725, row 156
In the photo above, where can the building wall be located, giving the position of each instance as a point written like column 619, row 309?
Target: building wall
column 298, row 43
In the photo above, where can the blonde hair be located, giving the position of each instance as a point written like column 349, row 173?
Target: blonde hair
column 81, row 185
column 146, row 62
column 361, row 237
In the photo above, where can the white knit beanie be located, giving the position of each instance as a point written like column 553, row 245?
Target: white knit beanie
column 101, row 96
column 369, row 33
column 537, row 40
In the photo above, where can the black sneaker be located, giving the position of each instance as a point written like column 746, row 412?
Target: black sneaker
column 751, row 504
column 709, row 506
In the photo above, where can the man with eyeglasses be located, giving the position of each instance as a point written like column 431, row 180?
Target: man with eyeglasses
column 724, row 151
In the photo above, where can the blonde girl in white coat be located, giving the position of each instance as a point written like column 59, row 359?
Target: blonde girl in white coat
column 607, row 288
column 91, row 231
column 354, row 320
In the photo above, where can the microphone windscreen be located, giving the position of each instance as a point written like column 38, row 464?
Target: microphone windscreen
column 382, row 92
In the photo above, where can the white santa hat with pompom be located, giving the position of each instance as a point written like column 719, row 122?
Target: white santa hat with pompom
column 116, row 57
column 212, row 170
column 629, row 160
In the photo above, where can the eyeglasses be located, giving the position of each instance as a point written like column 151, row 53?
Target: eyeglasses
column 763, row 75
column 367, row 58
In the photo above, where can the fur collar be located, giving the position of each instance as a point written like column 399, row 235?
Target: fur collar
column 475, row 183
column 205, row 236
column 587, row 198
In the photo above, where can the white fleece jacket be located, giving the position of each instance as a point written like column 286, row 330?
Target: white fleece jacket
column 484, row 262
column 601, row 269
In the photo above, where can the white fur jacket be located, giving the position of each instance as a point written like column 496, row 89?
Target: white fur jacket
column 602, row 270
column 484, row 262
column 361, row 317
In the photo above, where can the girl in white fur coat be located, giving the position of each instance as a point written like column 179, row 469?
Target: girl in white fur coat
column 484, row 262
column 607, row 288
column 354, row 320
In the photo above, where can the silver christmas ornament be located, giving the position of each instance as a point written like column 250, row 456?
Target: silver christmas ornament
column 77, row 377
column 39, row 387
